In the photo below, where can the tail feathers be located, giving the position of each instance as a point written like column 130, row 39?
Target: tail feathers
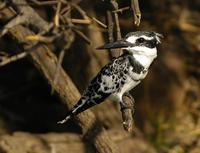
column 79, row 107
column 70, row 114
column 64, row 120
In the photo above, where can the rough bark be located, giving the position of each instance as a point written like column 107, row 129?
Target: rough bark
column 46, row 62
column 66, row 142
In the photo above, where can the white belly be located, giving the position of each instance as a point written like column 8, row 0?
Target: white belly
column 130, row 84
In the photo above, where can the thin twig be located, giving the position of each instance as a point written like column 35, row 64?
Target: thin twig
column 65, row 18
column 57, row 15
column 81, row 21
column 121, row 9
column 113, row 20
column 80, row 10
column 86, row 18
column 40, row 38
column 13, row 58
column 65, row 9
column 118, row 31
column 69, row 7
column 88, row 21
column 110, row 26
column 136, row 11
column 99, row 22
column 44, row 2
column 82, row 35
column 53, row 2
column 70, row 38
column 62, row 54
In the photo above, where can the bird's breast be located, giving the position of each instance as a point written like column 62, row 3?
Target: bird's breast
column 126, row 87
column 129, row 84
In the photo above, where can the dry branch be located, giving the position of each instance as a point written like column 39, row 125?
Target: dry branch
column 7, row 60
column 46, row 62
column 26, row 15
column 136, row 11
column 66, row 142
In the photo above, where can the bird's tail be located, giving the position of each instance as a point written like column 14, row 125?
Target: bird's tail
column 81, row 106
column 65, row 119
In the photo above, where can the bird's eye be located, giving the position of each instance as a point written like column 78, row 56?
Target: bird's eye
column 140, row 40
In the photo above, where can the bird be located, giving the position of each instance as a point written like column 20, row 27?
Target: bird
column 123, row 73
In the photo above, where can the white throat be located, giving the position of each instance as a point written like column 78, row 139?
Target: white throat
column 144, row 60
column 144, row 55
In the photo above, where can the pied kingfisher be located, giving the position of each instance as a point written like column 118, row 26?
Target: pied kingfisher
column 123, row 73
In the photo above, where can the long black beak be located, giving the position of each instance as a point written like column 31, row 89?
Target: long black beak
column 116, row 44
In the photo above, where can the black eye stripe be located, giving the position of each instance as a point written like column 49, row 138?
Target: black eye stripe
column 140, row 40
column 147, row 43
column 150, row 43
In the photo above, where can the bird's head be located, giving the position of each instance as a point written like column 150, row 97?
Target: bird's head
column 139, row 42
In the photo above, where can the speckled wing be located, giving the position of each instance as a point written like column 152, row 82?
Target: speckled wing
column 107, row 81
column 110, row 80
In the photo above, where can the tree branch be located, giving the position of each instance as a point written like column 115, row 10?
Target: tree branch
column 46, row 62
column 136, row 11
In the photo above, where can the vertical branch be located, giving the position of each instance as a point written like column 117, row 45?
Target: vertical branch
column 110, row 23
column 113, row 26
column 127, row 112
column 57, row 15
column 136, row 11
column 110, row 26
column 118, row 31
column 117, row 27
column 112, row 19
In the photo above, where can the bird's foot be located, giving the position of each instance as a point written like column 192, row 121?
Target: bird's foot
column 127, row 94
column 127, row 104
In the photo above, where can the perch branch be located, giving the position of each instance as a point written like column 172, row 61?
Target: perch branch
column 127, row 111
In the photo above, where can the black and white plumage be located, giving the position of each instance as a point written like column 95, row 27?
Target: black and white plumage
column 121, row 74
